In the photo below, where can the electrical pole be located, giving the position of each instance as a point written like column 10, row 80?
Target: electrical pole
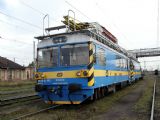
column 145, row 65
column 157, row 23
column 34, row 59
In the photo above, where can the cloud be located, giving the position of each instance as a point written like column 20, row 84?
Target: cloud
column 133, row 22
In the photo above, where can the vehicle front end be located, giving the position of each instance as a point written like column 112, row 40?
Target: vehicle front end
column 65, row 72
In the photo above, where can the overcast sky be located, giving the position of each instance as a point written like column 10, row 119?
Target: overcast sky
column 133, row 22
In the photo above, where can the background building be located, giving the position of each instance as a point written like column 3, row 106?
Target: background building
column 11, row 71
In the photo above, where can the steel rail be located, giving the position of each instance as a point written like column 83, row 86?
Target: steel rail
column 153, row 101
column 17, row 99
column 14, row 92
column 34, row 113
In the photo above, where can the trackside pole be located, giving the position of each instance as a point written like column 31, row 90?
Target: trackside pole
column 34, row 59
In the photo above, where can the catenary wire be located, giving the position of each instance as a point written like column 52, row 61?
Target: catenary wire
column 14, row 40
column 16, row 26
column 78, row 10
column 35, row 9
column 18, row 19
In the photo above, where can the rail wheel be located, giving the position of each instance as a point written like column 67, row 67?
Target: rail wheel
column 99, row 93
column 95, row 94
column 103, row 91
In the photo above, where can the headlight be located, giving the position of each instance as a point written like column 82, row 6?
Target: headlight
column 36, row 75
column 39, row 75
column 82, row 73
column 78, row 73
column 85, row 73
column 42, row 75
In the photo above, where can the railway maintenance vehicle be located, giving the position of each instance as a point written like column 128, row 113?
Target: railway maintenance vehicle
column 82, row 61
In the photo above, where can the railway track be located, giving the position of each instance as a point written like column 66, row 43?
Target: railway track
column 153, row 100
column 14, row 100
column 14, row 92
column 155, row 109
column 35, row 113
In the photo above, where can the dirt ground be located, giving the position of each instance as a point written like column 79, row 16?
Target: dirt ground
column 130, row 103
column 117, row 106
column 157, row 100
column 123, row 109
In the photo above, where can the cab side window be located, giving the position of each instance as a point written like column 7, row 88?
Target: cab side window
column 101, row 56
column 118, row 61
column 94, row 53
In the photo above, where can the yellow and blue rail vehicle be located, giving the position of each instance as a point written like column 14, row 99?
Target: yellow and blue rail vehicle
column 81, row 64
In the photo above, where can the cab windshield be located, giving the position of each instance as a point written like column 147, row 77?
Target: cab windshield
column 48, row 57
column 75, row 54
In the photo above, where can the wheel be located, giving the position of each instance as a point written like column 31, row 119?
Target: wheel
column 103, row 91
column 99, row 93
column 95, row 96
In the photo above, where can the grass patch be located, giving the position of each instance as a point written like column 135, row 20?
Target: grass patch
column 16, row 88
column 85, row 111
column 22, row 93
column 143, row 106
column 16, row 83
column 157, row 100
column 12, row 89
column 21, row 109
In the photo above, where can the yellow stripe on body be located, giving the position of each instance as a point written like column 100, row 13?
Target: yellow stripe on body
column 122, row 73
column 65, row 74
column 136, row 73
column 97, row 73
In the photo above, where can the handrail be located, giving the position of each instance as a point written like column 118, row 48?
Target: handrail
column 43, row 22
column 74, row 20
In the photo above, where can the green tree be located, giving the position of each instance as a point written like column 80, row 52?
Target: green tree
column 31, row 64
